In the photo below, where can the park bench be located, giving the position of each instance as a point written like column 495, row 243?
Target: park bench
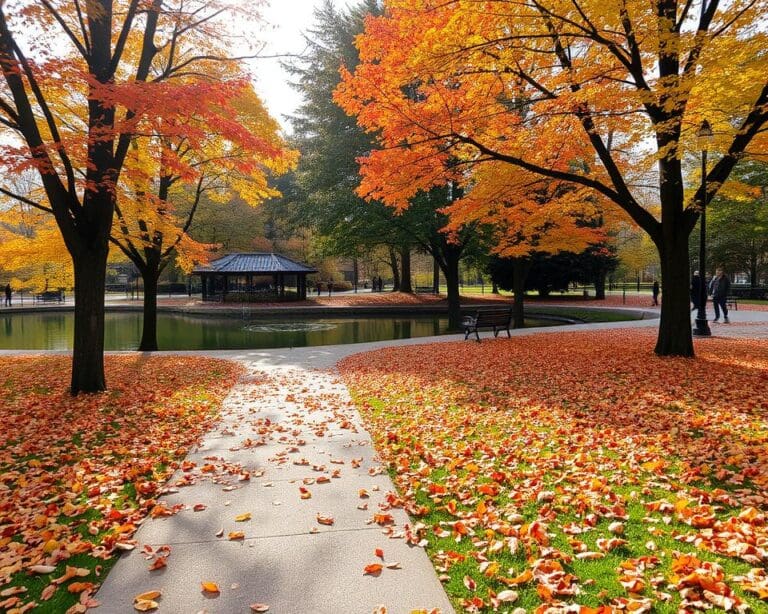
column 49, row 296
column 497, row 319
column 732, row 303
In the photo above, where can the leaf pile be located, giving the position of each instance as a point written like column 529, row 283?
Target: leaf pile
column 578, row 472
column 78, row 474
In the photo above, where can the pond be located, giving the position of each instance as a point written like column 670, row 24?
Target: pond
column 53, row 331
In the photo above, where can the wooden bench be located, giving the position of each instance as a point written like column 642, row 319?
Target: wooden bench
column 497, row 319
column 49, row 296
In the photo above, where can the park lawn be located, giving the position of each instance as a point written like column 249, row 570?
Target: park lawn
column 585, row 314
column 578, row 472
column 77, row 474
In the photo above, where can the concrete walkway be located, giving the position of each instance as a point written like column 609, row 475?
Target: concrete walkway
column 289, row 425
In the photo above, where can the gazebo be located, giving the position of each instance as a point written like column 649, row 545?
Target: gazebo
column 253, row 277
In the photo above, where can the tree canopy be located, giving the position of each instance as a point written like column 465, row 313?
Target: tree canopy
column 80, row 84
column 606, row 96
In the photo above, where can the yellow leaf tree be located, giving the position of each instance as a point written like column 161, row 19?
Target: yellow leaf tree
column 227, row 152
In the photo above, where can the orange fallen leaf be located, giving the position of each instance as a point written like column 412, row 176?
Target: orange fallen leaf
column 326, row 520
column 210, row 587
column 374, row 569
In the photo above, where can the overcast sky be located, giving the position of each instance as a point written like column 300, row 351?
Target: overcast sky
column 287, row 20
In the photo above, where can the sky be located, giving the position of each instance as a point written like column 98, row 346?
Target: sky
column 287, row 20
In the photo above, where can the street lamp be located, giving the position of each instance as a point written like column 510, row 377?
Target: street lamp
column 704, row 135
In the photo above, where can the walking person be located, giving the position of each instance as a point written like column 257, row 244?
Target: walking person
column 720, row 288
column 655, row 291
column 696, row 290
column 8, row 293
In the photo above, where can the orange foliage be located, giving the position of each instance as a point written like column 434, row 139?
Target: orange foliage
column 70, row 464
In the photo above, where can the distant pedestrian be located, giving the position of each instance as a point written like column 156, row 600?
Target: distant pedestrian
column 317, row 287
column 330, row 287
column 696, row 290
column 720, row 288
column 655, row 291
column 8, row 293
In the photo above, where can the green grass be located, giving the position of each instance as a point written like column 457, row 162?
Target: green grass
column 598, row 579
column 585, row 314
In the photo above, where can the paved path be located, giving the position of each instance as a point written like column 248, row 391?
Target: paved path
column 289, row 424
column 293, row 431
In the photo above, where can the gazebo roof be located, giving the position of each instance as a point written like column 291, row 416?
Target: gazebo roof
column 253, row 263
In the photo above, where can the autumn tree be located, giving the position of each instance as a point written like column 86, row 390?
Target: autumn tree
column 737, row 224
column 128, row 66
column 604, row 95
column 330, row 142
column 227, row 151
column 33, row 250
column 525, row 217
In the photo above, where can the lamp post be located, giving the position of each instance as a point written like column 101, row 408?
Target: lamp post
column 704, row 135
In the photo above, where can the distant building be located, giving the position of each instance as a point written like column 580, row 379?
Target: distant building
column 250, row 277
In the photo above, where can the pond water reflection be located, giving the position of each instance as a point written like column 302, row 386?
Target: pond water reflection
column 53, row 331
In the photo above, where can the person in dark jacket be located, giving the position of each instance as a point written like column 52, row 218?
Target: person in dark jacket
column 655, row 291
column 695, row 290
column 720, row 288
column 8, row 294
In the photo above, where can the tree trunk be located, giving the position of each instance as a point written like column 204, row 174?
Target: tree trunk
column 405, row 263
column 600, row 285
column 393, row 264
column 435, row 276
column 519, row 273
column 451, row 272
column 88, row 344
column 675, row 333
column 149, row 275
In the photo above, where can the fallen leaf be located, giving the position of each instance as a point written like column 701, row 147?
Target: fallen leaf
column 145, row 605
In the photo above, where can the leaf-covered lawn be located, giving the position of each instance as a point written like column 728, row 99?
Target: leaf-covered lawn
column 579, row 468
column 78, row 474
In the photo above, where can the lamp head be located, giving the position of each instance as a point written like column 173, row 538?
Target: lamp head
column 705, row 135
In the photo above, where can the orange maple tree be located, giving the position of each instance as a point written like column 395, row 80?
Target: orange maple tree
column 604, row 96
